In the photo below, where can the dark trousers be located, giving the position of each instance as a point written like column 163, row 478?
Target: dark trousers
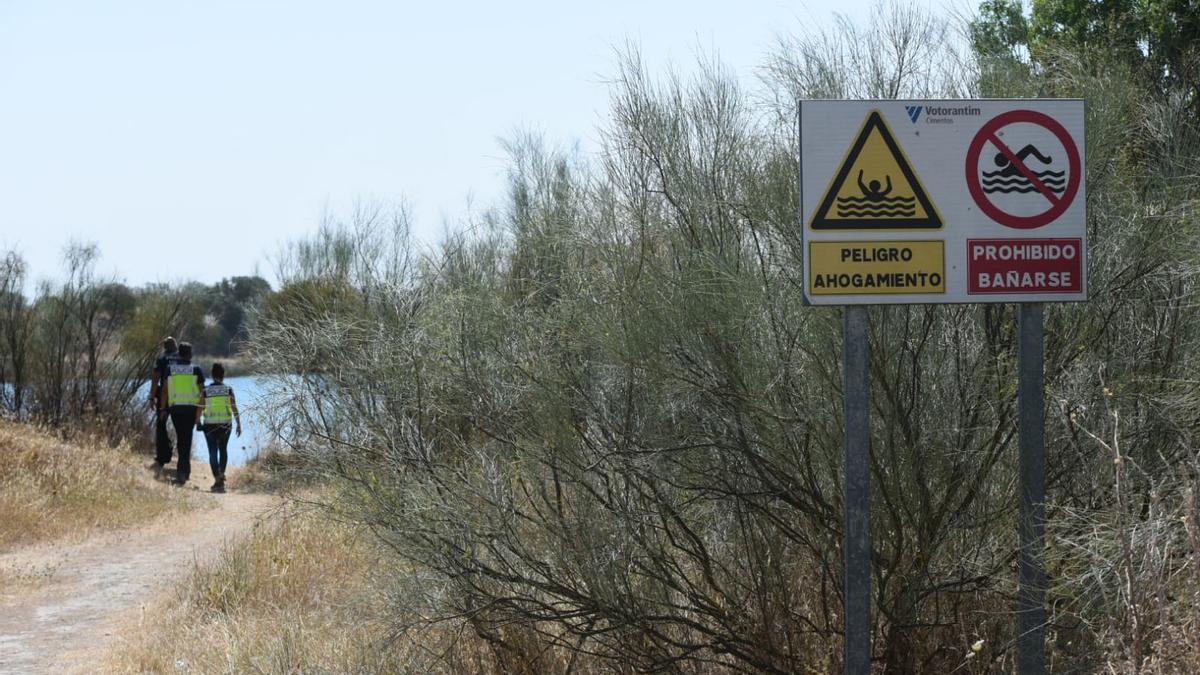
column 217, row 438
column 183, row 418
column 162, row 440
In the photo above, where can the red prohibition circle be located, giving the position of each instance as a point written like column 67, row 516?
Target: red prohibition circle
column 1058, row 204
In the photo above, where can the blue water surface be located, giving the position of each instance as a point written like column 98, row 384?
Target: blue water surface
column 255, row 434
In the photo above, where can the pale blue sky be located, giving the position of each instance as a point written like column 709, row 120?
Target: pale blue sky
column 167, row 131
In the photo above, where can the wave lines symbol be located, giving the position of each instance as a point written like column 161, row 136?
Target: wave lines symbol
column 869, row 200
column 876, row 213
column 1022, row 190
column 1008, row 171
column 1013, row 181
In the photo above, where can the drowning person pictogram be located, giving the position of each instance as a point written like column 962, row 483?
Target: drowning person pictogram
column 875, row 187
column 1009, row 177
column 875, row 202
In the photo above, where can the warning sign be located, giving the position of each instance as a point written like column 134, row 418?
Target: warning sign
column 876, row 187
column 943, row 201
column 877, row 267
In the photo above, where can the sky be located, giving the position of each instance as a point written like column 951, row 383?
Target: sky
column 190, row 139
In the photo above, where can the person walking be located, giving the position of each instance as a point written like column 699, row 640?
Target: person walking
column 163, row 448
column 220, row 410
column 179, row 397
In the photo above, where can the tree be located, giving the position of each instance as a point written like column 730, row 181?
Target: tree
column 1115, row 26
column 15, row 331
column 1000, row 30
column 1157, row 39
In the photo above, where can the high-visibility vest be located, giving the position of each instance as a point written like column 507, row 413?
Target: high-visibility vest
column 218, row 404
column 182, row 387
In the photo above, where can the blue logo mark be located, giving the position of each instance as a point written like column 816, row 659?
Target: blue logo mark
column 914, row 111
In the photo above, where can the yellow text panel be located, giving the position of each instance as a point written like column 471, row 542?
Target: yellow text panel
column 876, row 267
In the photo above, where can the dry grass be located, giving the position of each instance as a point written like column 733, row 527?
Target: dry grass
column 270, row 471
column 50, row 489
column 300, row 594
column 18, row 578
column 291, row 597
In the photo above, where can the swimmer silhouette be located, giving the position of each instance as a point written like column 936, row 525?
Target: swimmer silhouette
column 871, row 190
column 1007, row 168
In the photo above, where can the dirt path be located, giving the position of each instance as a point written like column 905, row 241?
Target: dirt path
column 91, row 585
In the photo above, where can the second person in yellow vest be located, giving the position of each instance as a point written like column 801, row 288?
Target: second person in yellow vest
column 220, row 411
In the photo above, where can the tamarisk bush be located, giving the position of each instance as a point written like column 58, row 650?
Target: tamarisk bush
column 598, row 428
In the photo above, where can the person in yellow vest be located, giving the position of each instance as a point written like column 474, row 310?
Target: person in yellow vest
column 220, row 412
column 179, row 397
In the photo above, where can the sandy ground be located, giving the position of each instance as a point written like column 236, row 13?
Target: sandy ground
column 85, row 590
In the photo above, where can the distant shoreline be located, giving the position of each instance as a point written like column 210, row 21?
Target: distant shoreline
column 235, row 366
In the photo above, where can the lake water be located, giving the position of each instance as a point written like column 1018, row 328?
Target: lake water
column 255, row 436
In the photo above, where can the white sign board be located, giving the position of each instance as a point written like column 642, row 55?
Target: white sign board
column 943, row 201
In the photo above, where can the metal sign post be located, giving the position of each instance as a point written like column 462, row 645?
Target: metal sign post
column 939, row 202
column 856, row 383
column 1031, row 428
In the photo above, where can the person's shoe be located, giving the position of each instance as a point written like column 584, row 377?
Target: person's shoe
column 179, row 483
column 218, row 488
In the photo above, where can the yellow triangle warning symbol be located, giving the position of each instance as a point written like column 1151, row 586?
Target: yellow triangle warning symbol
column 876, row 188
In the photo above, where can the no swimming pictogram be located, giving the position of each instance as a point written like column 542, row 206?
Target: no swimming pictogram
column 1031, row 172
column 875, row 188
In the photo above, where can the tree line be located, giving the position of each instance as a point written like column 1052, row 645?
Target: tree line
column 75, row 351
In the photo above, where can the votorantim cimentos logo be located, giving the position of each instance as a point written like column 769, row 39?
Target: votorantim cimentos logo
column 939, row 114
